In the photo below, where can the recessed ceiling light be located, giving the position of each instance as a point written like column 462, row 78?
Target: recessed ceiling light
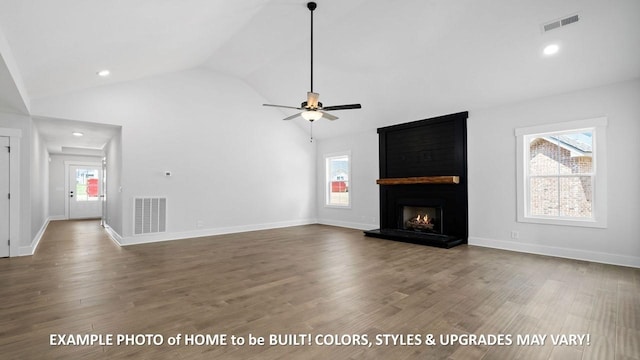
column 77, row 133
column 551, row 49
column 103, row 73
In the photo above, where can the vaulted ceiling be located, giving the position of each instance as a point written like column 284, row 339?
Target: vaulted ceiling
column 403, row 60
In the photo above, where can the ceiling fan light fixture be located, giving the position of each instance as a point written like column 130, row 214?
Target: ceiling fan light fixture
column 311, row 115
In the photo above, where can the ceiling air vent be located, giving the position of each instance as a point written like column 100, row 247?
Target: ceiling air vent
column 548, row 26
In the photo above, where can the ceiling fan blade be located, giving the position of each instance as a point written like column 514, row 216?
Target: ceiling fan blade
column 312, row 100
column 342, row 107
column 292, row 116
column 283, row 106
column 328, row 116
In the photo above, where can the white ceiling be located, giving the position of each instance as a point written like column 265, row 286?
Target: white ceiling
column 58, row 135
column 403, row 60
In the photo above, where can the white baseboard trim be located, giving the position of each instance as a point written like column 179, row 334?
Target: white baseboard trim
column 31, row 249
column 113, row 235
column 168, row 236
column 58, row 217
column 576, row 254
column 347, row 224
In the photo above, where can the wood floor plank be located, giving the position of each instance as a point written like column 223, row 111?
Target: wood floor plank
column 316, row 280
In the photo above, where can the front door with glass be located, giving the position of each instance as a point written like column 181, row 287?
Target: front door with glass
column 85, row 189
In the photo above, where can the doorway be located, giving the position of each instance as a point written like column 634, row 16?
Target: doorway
column 84, row 191
column 4, row 196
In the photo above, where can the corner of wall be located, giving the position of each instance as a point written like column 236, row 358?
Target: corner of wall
column 31, row 248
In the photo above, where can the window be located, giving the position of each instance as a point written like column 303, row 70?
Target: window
column 562, row 173
column 337, row 180
column 87, row 186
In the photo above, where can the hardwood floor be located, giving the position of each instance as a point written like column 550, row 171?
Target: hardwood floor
column 312, row 280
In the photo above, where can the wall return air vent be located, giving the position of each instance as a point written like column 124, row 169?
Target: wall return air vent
column 149, row 215
column 555, row 24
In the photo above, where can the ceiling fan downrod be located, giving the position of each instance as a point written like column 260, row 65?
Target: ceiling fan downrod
column 311, row 6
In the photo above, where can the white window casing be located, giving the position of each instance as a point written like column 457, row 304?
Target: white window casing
column 340, row 198
column 598, row 175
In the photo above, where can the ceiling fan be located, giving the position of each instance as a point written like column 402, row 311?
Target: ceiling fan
column 312, row 109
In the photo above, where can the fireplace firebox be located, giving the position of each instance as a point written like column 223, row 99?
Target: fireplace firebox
column 423, row 219
column 423, row 182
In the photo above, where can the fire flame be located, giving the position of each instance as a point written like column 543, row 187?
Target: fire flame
column 423, row 220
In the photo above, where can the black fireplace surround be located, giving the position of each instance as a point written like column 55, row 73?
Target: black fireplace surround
column 414, row 159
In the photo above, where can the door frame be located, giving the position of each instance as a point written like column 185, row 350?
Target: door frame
column 67, row 165
column 15, row 214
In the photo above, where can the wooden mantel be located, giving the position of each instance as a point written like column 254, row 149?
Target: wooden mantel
column 420, row 180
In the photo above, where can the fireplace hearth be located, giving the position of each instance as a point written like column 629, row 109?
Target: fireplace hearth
column 423, row 182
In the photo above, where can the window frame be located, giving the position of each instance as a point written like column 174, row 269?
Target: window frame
column 599, row 172
column 327, row 181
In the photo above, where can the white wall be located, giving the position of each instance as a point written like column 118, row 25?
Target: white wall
column 492, row 171
column 13, row 94
column 57, row 177
column 113, row 154
column 364, row 211
column 39, row 186
column 236, row 166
